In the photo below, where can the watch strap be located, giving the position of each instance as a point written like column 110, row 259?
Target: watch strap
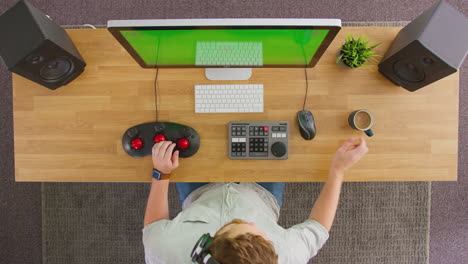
column 158, row 175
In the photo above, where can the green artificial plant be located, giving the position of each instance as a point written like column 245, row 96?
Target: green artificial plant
column 355, row 52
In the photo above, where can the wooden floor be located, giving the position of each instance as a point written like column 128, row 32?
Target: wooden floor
column 74, row 133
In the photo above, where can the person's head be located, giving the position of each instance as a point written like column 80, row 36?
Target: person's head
column 241, row 242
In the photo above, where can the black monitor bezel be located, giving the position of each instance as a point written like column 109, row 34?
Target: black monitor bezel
column 115, row 31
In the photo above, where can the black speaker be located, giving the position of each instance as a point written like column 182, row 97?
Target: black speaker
column 35, row 47
column 429, row 48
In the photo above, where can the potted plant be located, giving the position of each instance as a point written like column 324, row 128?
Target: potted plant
column 355, row 53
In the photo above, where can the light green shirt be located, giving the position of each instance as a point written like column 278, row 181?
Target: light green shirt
column 208, row 208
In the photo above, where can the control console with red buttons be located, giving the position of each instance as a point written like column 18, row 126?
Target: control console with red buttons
column 138, row 141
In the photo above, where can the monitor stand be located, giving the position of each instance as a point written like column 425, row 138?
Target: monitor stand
column 228, row 74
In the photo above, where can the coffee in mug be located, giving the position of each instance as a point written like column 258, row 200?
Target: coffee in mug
column 362, row 120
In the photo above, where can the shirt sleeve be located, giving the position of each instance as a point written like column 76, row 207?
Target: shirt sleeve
column 308, row 237
column 152, row 234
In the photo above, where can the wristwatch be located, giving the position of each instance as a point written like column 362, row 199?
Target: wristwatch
column 157, row 174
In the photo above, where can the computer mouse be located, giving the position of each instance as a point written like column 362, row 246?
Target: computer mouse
column 306, row 124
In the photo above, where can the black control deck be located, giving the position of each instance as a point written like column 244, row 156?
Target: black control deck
column 138, row 141
column 258, row 140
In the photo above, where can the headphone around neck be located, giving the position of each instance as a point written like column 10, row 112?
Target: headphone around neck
column 200, row 253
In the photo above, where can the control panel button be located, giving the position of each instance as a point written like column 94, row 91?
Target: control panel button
column 183, row 143
column 159, row 137
column 137, row 143
column 258, row 154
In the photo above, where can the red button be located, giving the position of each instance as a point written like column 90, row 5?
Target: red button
column 265, row 129
column 159, row 137
column 137, row 143
column 183, row 143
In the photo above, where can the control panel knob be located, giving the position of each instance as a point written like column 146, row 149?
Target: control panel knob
column 137, row 143
column 132, row 132
column 278, row 149
column 159, row 137
column 158, row 127
column 183, row 143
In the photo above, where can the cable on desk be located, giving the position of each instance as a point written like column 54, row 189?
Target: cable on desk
column 156, row 93
column 307, row 88
column 156, row 80
column 307, row 80
column 89, row 25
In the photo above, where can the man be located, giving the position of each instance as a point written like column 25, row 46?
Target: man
column 243, row 215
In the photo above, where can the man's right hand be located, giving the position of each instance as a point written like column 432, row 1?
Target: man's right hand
column 163, row 159
column 348, row 154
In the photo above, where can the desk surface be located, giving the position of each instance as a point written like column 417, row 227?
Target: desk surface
column 74, row 133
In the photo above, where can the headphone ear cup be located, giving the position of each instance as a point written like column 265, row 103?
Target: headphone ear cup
column 204, row 240
column 211, row 260
column 208, row 241
column 200, row 250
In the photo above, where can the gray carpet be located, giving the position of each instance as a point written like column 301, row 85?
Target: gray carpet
column 20, row 210
column 20, row 204
column 93, row 222
column 375, row 222
column 101, row 223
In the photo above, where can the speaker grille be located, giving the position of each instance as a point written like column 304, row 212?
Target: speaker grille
column 35, row 59
column 409, row 72
column 56, row 70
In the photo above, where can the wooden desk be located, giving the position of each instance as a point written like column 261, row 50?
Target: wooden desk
column 74, row 133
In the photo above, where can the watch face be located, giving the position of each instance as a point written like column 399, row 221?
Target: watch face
column 157, row 175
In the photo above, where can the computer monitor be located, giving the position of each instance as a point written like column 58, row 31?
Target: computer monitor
column 227, row 48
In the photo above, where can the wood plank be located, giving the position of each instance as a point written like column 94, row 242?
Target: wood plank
column 74, row 133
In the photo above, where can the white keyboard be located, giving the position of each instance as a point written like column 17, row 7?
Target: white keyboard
column 232, row 98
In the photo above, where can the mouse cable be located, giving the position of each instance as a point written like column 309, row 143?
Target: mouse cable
column 156, row 92
column 306, row 79
column 307, row 88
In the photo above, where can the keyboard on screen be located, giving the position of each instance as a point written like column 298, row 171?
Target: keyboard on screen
column 224, row 53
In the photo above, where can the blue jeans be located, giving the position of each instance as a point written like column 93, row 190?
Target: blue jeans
column 275, row 188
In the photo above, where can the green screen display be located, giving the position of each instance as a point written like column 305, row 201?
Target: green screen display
column 251, row 47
